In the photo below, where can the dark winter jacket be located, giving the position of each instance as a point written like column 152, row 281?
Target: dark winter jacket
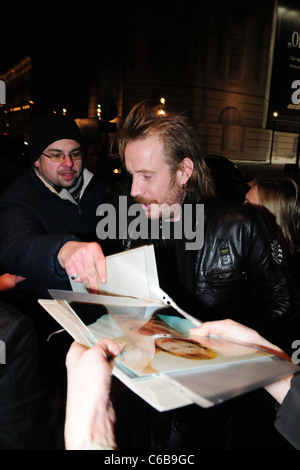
column 31, row 419
column 288, row 415
column 35, row 222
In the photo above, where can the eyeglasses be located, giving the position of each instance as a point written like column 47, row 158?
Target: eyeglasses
column 58, row 157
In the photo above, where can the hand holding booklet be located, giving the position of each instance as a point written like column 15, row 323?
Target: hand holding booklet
column 161, row 361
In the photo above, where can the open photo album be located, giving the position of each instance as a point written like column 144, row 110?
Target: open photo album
column 161, row 360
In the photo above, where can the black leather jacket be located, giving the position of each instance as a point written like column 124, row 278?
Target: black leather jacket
column 239, row 272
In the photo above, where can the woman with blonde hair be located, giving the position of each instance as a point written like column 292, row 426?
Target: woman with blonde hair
column 280, row 196
column 280, row 200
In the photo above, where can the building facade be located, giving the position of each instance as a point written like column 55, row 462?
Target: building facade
column 212, row 60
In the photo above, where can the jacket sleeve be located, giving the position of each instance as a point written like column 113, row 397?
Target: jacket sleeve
column 266, row 272
column 288, row 415
column 30, row 417
column 26, row 250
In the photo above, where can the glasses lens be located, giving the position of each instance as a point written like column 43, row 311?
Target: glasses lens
column 56, row 157
column 76, row 155
column 59, row 157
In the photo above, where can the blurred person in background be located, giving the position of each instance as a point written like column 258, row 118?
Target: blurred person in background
column 278, row 198
column 31, row 418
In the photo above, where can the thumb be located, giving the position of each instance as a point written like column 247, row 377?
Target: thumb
column 202, row 330
column 108, row 348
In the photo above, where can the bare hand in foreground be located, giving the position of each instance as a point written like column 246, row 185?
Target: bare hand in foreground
column 90, row 414
column 86, row 261
column 231, row 330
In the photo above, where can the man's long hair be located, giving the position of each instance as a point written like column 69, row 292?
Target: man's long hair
column 179, row 141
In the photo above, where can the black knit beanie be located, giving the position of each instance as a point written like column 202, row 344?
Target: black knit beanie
column 50, row 128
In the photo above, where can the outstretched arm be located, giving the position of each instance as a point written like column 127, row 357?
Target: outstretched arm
column 90, row 416
column 231, row 330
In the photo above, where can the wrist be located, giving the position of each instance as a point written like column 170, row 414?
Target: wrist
column 102, row 429
column 62, row 253
column 87, row 429
column 279, row 389
column 89, row 443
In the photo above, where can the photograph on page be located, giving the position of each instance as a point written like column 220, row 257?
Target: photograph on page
column 158, row 341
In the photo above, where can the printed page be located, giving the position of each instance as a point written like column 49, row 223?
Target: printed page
column 151, row 362
column 154, row 346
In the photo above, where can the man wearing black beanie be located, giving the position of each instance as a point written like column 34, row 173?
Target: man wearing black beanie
column 45, row 213
column 52, row 137
column 48, row 216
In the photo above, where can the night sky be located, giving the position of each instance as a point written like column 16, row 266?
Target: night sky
column 28, row 29
column 13, row 38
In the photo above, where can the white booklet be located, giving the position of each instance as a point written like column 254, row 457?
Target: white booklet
column 160, row 360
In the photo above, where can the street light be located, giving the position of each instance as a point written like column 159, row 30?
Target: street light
column 161, row 110
column 99, row 112
column 275, row 115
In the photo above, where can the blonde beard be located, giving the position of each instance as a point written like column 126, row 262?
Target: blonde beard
column 170, row 207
